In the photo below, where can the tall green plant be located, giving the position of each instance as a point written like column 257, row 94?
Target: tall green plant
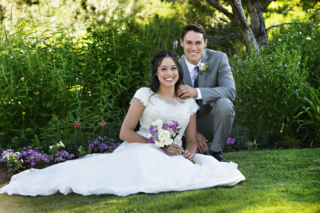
column 270, row 85
column 312, row 115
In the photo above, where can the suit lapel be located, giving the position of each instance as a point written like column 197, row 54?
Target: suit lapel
column 186, row 73
column 202, row 77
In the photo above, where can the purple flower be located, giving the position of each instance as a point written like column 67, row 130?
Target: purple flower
column 153, row 130
column 175, row 123
column 174, row 128
column 22, row 148
column 165, row 126
column 175, row 44
column 58, row 153
column 33, row 163
column 90, row 145
column 95, row 149
column 151, row 140
column 230, row 141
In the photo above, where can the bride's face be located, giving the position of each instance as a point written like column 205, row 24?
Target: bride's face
column 167, row 72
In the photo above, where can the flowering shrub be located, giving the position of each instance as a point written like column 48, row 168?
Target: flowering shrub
column 63, row 156
column 12, row 160
column 99, row 145
column 230, row 145
column 34, row 158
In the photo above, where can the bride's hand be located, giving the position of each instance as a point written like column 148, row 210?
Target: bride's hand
column 173, row 149
column 188, row 155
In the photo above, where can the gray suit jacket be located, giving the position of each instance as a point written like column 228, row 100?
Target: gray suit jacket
column 216, row 83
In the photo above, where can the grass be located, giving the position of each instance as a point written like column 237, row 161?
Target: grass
column 277, row 181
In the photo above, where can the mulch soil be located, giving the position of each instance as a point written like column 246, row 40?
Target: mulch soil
column 5, row 176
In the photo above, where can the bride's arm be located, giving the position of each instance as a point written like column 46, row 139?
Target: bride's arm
column 130, row 122
column 191, row 139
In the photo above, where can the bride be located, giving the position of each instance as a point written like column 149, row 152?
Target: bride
column 138, row 166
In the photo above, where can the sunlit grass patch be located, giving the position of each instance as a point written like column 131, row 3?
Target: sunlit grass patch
column 276, row 181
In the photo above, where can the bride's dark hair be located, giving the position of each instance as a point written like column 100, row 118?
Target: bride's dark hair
column 156, row 62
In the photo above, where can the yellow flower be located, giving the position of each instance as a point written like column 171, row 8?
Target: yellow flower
column 23, row 113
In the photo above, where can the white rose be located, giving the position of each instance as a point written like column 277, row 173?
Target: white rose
column 149, row 136
column 50, row 147
column 168, row 141
column 159, row 143
column 164, row 135
column 157, row 123
column 202, row 66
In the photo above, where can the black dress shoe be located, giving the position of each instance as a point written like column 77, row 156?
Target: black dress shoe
column 218, row 156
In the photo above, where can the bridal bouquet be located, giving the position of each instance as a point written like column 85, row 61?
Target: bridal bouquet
column 163, row 133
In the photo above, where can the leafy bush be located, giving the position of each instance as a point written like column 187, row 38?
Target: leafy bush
column 272, row 83
column 51, row 79
column 310, row 117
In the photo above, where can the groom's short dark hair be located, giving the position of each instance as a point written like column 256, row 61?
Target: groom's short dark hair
column 193, row 27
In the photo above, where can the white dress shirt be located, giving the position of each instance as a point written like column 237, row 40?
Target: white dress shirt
column 191, row 71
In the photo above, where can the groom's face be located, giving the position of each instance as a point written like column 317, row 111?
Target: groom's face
column 193, row 45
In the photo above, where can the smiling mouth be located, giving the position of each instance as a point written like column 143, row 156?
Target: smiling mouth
column 193, row 53
column 169, row 79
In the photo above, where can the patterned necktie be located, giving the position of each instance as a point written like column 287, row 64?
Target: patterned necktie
column 196, row 76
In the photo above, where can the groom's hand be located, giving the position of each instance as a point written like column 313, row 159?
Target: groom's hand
column 186, row 91
column 202, row 142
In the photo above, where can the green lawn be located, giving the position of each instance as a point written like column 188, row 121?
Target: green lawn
column 277, row 181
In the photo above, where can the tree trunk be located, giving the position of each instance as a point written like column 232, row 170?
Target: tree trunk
column 241, row 22
column 257, row 22
column 239, row 19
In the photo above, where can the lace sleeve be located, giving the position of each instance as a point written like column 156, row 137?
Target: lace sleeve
column 143, row 95
column 193, row 106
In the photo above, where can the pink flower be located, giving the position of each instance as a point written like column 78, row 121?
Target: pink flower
column 77, row 124
column 102, row 123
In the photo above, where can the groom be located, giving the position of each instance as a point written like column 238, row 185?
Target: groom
column 208, row 79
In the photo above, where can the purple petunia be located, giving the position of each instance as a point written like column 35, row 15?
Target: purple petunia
column 231, row 141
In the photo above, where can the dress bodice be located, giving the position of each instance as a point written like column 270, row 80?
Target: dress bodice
column 164, row 108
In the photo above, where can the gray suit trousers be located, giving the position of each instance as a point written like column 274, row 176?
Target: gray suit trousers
column 215, row 122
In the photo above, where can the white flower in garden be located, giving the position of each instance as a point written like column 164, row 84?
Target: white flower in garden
column 279, row 39
column 157, row 122
column 50, row 147
column 308, row 38
column 299, row 32
column 89, row 94
column 164, row 135
column 61, row 144
column 19, row 102
column 308, row 10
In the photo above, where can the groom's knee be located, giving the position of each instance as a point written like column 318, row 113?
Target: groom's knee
column 223, row 107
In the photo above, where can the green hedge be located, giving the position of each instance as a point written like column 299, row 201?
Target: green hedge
column 51, row 79
column 273, row 83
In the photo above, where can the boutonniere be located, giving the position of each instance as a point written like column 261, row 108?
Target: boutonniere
column 204, row 67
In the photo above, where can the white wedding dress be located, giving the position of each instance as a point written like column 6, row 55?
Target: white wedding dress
column 132, row 167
